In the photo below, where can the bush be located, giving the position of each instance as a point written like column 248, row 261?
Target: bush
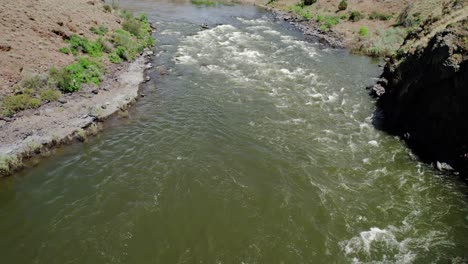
column 115, row 58
column 18, row 102
column 72, row 77
column 331, row 21
column 49, row 95
column 319, row 18
column 327, row 22
column 355, row 16
column 79, row 44
column 33, row 82
column 343, row 5
column 119, row 55
column 139, row 27
column 299, row 9
column 343, row 17
column 380, row 16
column 101, row 30
column 364, row 31
column 65, row 50
column 127, row 44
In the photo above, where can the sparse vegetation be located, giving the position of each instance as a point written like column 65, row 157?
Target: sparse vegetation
column 81, row 135
column 384, row 42
column 65, row 50
column 364, row 31
column 355, row 16
column 8, row 163
column 379, row 16
column 203, row 2
column 49, row 95
column 299, row 9
column 124, row 45
column 18, row 102
column 101, row 30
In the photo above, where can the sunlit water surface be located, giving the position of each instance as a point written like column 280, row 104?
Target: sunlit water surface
column 256, row 147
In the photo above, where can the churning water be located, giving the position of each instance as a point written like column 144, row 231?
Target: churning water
column 252, row 146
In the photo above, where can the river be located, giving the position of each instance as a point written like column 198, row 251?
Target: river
column 252, row 145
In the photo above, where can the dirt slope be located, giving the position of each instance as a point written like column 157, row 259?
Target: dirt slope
column 32, row 31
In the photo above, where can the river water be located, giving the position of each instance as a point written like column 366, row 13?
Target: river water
column 253, row 146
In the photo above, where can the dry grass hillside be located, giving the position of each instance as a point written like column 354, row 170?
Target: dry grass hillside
column 33, row 31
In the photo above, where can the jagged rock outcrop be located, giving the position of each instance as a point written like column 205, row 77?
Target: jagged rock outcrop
column 423, row 97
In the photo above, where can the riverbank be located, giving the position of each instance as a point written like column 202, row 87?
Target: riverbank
column 73, row 117
column 374, row 28
column 82, row 66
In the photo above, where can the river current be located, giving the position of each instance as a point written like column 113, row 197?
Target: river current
column 252, row 145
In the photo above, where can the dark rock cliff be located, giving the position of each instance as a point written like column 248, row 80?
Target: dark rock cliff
column 423, row 97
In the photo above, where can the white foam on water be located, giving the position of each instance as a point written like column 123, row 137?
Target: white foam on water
column 169, row 32
column 272, row 32
column 377, row 245
column 262, row 28
column 259, row 21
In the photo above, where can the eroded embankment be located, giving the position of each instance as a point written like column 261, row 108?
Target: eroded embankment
column 72, row 118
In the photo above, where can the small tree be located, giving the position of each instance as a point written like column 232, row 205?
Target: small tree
column 343, row 5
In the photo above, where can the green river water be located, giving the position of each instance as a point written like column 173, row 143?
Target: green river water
column 257, row 146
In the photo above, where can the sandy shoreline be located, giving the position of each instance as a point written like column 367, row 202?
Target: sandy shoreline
column 73, row 117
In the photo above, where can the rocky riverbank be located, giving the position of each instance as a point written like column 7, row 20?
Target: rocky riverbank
column 73, row 117
column 64, row 69
column 309, row 28
column 423, row 93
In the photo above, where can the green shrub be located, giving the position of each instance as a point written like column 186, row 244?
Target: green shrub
column 49, row 95
column 299, row 9
column 331, row 21
column 79, row 44
column 327, row 22
column 343, row 5
column 72, row 77
column 379, row 16
column 115, row 58
column 139, row 27
column 203, row 2
column 65, row 50
column 118, row 55
column 126, row 42
column 364, row 31
column 343, row 17
column 101, row 30
column 355, row 16
column 18, row 102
